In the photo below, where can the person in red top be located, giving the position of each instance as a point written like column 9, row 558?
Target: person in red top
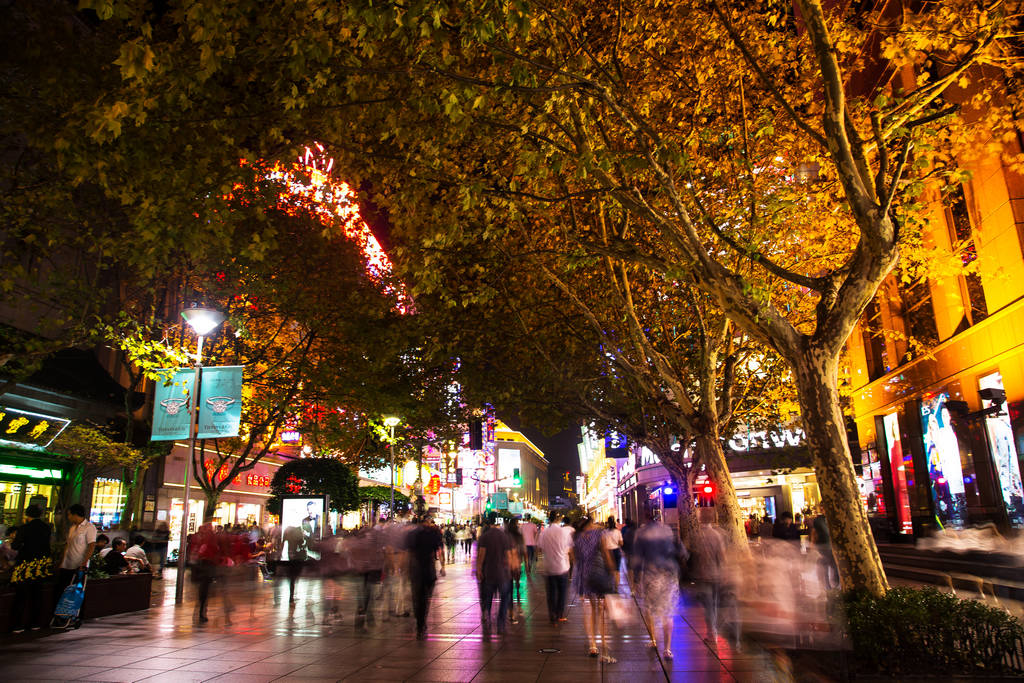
column 205, row 554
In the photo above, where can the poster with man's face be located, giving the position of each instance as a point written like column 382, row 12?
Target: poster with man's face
column 302, row 520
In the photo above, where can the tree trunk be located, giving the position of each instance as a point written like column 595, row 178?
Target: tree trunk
column 212, row 496
column 688, row 520
column 727, row 506
column 860, row 566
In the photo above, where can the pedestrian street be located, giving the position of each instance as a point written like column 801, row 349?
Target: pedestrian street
column 316, row 640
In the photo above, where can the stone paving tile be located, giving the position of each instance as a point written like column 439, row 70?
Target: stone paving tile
column 243, row 678
column 164, row 663
column 211, row 666
column 180, row 677
column 439, row 673
column 122, row 675
column 29, row 672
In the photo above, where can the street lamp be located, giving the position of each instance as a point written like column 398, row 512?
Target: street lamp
column 392, row 421
column 203, row 321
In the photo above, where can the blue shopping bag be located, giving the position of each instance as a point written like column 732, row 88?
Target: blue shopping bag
column 70, row 603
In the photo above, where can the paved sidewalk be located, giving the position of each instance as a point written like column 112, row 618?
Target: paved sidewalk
column 316, row 640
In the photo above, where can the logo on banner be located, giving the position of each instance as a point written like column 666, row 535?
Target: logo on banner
column 220, row 412
column 170, row 407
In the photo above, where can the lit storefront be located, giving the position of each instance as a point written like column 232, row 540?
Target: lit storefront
column 29, row 474
column 108, row 498
column 242, row 502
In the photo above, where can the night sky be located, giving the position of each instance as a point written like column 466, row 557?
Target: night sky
column 560, row 450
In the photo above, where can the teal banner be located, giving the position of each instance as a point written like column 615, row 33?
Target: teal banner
column 170, row 407
column 220, row 404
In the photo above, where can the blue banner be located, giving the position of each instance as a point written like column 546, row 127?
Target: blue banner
column 220, row 405
column 616, row 445
column 170, row 407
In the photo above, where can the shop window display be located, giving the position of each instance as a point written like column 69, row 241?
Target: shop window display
column 899, row 464
column 1004, row 453
column 107, row 502
column 942, row 451
column 870, row 482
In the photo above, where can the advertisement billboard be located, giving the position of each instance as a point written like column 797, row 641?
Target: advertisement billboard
column 898, row 464
column 509, row 460
column 302, row 522
column 942, row 451
column 1004, row 453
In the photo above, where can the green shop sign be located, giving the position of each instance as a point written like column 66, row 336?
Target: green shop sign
column 41, row 473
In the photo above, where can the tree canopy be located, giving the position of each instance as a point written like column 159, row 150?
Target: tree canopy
column 315, row 476
column 777, row 157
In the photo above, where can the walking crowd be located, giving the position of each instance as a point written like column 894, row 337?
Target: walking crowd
column 392, row 567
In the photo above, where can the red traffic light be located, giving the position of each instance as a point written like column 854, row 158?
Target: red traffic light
column 708, row 489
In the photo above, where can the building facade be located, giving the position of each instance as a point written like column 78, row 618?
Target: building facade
column 941, row 433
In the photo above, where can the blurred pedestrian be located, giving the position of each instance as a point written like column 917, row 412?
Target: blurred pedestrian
column 493, row 573
column 425, row 548
column 821, row 539
column 464, row 539
column 784, row 529
column 612, row 541
column 530, row 533
column 515, row 566
column 161, row 538
column 367, row 561
column 657, row 551
column 449, row 542
column 555, row 542
column 592, row 581
column 396, row 575
column 628, row 534
column 714, row 577
column 204, row 556
column 295, row 539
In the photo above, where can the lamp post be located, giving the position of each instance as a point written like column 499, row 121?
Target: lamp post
column 392, row 421
column 203, row 321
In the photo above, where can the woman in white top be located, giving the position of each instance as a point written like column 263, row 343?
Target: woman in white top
column 612, row 540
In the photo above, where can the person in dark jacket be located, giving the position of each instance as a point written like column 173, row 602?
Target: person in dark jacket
column 33, row 545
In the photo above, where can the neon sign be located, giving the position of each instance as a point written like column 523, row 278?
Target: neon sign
column 33, row 429
column 257, row 479
column 766, row 439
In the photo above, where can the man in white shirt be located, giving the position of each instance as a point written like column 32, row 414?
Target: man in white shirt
column 138, row 561
column 555, row 541
column 79, row 548
column 529, row 531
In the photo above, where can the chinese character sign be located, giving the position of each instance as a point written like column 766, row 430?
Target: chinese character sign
column 220, row 410
column 170, row 406
column 30, row 428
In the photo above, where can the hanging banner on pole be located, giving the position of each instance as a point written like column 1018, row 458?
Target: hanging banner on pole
column 170, row 406
column 220, row 402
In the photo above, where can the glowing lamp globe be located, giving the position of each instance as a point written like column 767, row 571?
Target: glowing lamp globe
column 392, row 420
column 202, row 320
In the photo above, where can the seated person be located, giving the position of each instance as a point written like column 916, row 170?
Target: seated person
column 114, row 562
column 137, row 559
column 102, row 547
column 7, row 552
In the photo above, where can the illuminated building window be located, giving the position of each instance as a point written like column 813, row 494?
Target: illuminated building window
column 959, row 220
column 107, row 502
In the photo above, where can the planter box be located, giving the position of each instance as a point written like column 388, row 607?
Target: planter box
column 116, row 595
column 103, row 597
